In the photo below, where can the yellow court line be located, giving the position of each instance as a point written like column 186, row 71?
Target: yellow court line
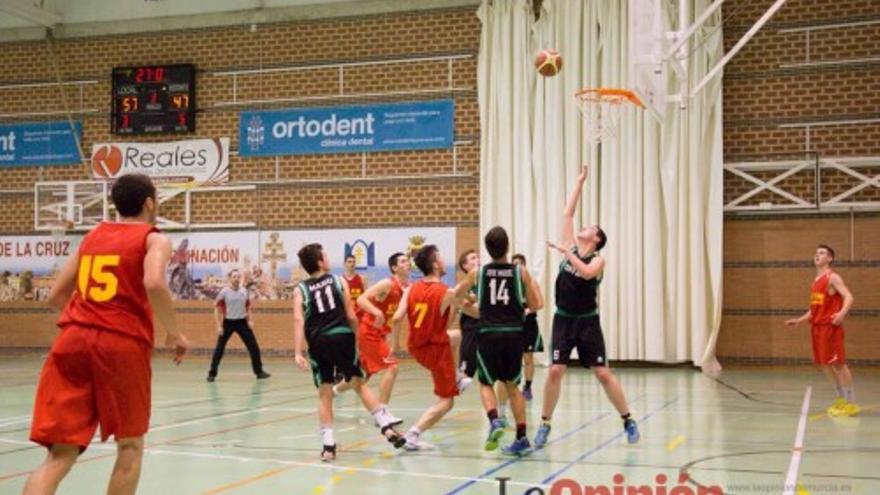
column 801, row 490
column 674, row 443
column 246, row 481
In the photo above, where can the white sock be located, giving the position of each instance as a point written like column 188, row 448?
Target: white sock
column 327, row 435
column 849, row 393
column 414, row 432
column 840, row 391
column 381, row 415
column 502, row 410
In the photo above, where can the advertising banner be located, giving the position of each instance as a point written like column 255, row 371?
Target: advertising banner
column 200, row 161
column 41, row 143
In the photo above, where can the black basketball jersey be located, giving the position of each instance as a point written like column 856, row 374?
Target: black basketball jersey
column 576, row 296
column 324, row 306
column 468, row 323
column 502, row 298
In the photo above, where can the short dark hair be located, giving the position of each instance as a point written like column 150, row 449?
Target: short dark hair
column 234, row 271
column 309, row 256
column 425, row 257
column 350, row 257
column 392, row 260
column 520, row 257
column 603, row 238
column 130, row 192
column 462, row 259
column 827, row 248
column 497, row 242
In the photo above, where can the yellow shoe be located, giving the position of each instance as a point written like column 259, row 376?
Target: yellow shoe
column 838, row 408
column 851, row 409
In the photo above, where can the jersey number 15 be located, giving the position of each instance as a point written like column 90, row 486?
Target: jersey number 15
column 95, row 282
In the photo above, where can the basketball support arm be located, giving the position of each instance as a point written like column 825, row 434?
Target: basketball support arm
column 736, row 48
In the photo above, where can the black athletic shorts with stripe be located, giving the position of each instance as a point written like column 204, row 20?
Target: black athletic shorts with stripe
column 499, row 356
column 532, row 340
column 581, row 333
column 332, row 354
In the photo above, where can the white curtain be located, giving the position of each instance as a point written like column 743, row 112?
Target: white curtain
column 655, row 190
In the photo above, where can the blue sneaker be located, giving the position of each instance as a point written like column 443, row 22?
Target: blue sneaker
column 527, row 394
column 541, row 436
column 496, row 431
column 519, row 448
column 632, row 430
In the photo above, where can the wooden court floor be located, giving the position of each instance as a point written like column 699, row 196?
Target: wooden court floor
column 240, row 436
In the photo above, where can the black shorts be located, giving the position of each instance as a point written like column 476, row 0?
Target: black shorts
column 499, row 356
column 334, row 354
column 583, row 334
column 467, row 353
column 532, row 340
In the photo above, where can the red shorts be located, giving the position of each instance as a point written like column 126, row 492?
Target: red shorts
column 92, row 377
column 437, row 358
column 828, row 345
column 375, row 353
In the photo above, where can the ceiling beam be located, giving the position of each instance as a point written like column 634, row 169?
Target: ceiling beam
column 31, row 13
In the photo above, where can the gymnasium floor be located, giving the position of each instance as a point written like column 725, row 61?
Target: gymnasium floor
column 240, row 436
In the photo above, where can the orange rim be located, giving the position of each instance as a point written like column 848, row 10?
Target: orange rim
column 611, row 95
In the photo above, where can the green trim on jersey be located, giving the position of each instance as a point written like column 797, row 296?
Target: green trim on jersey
column 483, row 370
column 338, row 330
column 519, row 286
column 500, row 329
column 562, row 312
column 307, row 308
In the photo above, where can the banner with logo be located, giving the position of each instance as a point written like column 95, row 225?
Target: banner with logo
column 43, row 143
column 28, row 264
column 200, row 161
column 362, row 128
column 269, row 265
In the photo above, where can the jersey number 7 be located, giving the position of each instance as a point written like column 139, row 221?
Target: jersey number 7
column 421, row 310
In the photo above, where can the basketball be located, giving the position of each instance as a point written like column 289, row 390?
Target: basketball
column 548, row 62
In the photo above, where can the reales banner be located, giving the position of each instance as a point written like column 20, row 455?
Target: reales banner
column 200, row 161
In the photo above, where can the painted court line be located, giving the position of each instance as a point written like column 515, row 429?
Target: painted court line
column 602, row 445
column 797, row 451
column 514, row 460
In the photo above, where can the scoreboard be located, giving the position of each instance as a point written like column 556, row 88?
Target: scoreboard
column 156, row 99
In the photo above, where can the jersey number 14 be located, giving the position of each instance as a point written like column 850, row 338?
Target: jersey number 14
column 498, row 292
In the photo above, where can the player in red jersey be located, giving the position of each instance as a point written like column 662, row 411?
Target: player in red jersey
column 830, row 301
column 98, row 370
column 378, row 305
column 427, row 305
column 355, row 282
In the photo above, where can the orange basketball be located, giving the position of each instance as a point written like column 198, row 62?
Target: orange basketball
column 548, row 62
column 107, row 161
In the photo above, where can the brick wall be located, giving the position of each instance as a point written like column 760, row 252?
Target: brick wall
column 366, row 202
column 768, row 260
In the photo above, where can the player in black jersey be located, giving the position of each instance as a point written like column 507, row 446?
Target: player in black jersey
column 503, row 293
column 532, row 340
column 323, row 316
column 469, row 320
column 576, row 322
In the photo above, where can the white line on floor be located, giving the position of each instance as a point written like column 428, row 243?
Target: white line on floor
column 791, row 478
column 312, row 435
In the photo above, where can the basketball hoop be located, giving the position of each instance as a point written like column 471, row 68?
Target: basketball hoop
column 59, row 228
column 600, row 110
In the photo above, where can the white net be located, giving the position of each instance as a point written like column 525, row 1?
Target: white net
column 600, row 110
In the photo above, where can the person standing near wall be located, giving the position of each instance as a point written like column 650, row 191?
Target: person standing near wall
column 233, row 312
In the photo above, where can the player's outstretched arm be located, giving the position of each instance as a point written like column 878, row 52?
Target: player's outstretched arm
column 800, row 319
column 570, row 207
column 460, row 291
column 64, row 284
column 155, row 265
column 299, row 332
column 843, row 290
column 588, row 271
column 378, row 291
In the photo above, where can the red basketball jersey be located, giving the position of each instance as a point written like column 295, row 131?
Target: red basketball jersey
column 388, row 306
column 356, row 288
column 110, row 293
column 823, row 306
column 427, row 325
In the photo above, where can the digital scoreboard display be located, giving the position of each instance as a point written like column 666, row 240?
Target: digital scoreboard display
column 155, row 99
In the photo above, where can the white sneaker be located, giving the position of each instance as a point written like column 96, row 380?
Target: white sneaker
column 392, row 420
column 414, row 444
column 463, row 382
